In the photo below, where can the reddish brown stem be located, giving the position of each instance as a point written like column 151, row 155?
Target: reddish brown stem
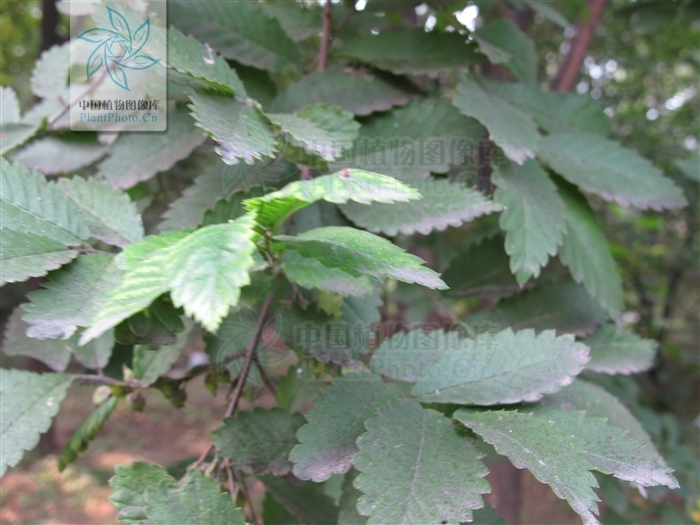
column 326, row 38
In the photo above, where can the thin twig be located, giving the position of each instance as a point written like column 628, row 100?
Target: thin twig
column 231, row 487
column 326, row 38
column 204, row 455
column 334, row 32
column 265, row 378
column 87, row 91
column 244, row 490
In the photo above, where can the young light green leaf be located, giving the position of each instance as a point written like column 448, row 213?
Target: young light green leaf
column 619, row 351
column 309, row 273
column 198, row 500
column 603, row 167
column 434, row 474
column 534, row 216
column 50, row 73
column 511, row 129
column 238, row 30
column 510, row 367
column 327, row 442
column 241, row 131
column 545, row 450
column 137, row 157
column 30, row 204
column 29, row 403
column 360, row 92
column 52, row 155
column 129, row 485
column 24, row 255
column 412, row 51
column 361, row 253
column 504, row 43
column 319, row 129
column 109, row 213
column 442, row 204
column 564, row 307
column 346, row 185
column 587, row 254
column 259, row 440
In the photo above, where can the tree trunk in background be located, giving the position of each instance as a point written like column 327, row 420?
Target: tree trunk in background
column 49, row 22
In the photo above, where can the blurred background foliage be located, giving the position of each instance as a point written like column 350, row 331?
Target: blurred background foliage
column 643, row 66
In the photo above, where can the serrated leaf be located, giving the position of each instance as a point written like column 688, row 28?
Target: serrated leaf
column 415, row 467
column 109, row 213
column 619, row 351
column 239, row 31
column 55, row 354
column 343, row 186
column 241, row 131
column 24, row 255
column 361, row 253
column 298, row 21
column 412, row 51
column 148, row 365
column 548, row 452
column 52, row 155
column 86, row 432
column 504, row 43
column 198, row 500
column 586, row 252
column 349, row 495
column 360, row 91
column 305, row 502
column 137, row 157
column 533, row 218
column 319, row 129
column 556, row 112
column 483, row 270
column 427, row 136
column 327, row 442
column 564, row 307
column 32, row 205
column 603, row 167
column 442, row 204
column 29, row 403
column 260, row 440
column 16, row 134
column 50, row 73
column 510, row 367
column 96, row 353
column 309, row 273
column 511, row 129
column 71, row 297
column 10, row 112
column 129, row 485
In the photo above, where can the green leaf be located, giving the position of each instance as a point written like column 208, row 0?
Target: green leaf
column 198, row 500
column 511, row 129
column 360, row 92
column 619, row 351
column 361, row 253
column 143, row 281
column 550, row 453
column 509, row 367
column 546, row 10
column 71, row 297
column 96, row 353
column 52, row 155
column 357, row 185
column 434, row 473
column 259, row 440
column 348, row 514
column 241, row 131
column 296, row 391
column 149, row 365
column 24, row 255
column 14, row 131
column 564, row 307
column 427, row 136
column 327, row 442
column 30, row 204
column 319, row 129
column 488, row 516
column 129, row 486
column 10, row 112
column 50, row 73
column 533, row 218
column 607, row 169
column 555, row 112
column 226, row 210
column 309, row 273
column 137, row 157
column 306, row 502
column 483, row 270
column 55, row 354
column 412, row 51
column 29, row 403
column 587, row 254
column 109, row 213
column 86, row 432
column 504, row 43
column 238, row 30
column 298, row 21
column 443, row 204
column 690, row 167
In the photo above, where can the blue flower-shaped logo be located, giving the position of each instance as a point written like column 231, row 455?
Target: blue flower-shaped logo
column 118, row 49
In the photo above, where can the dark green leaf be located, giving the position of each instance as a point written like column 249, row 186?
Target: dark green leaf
column 86, row 432
column 24, row 255
column 306, row 502
column 129, row 486
column 504, row 43
column 619, row 351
